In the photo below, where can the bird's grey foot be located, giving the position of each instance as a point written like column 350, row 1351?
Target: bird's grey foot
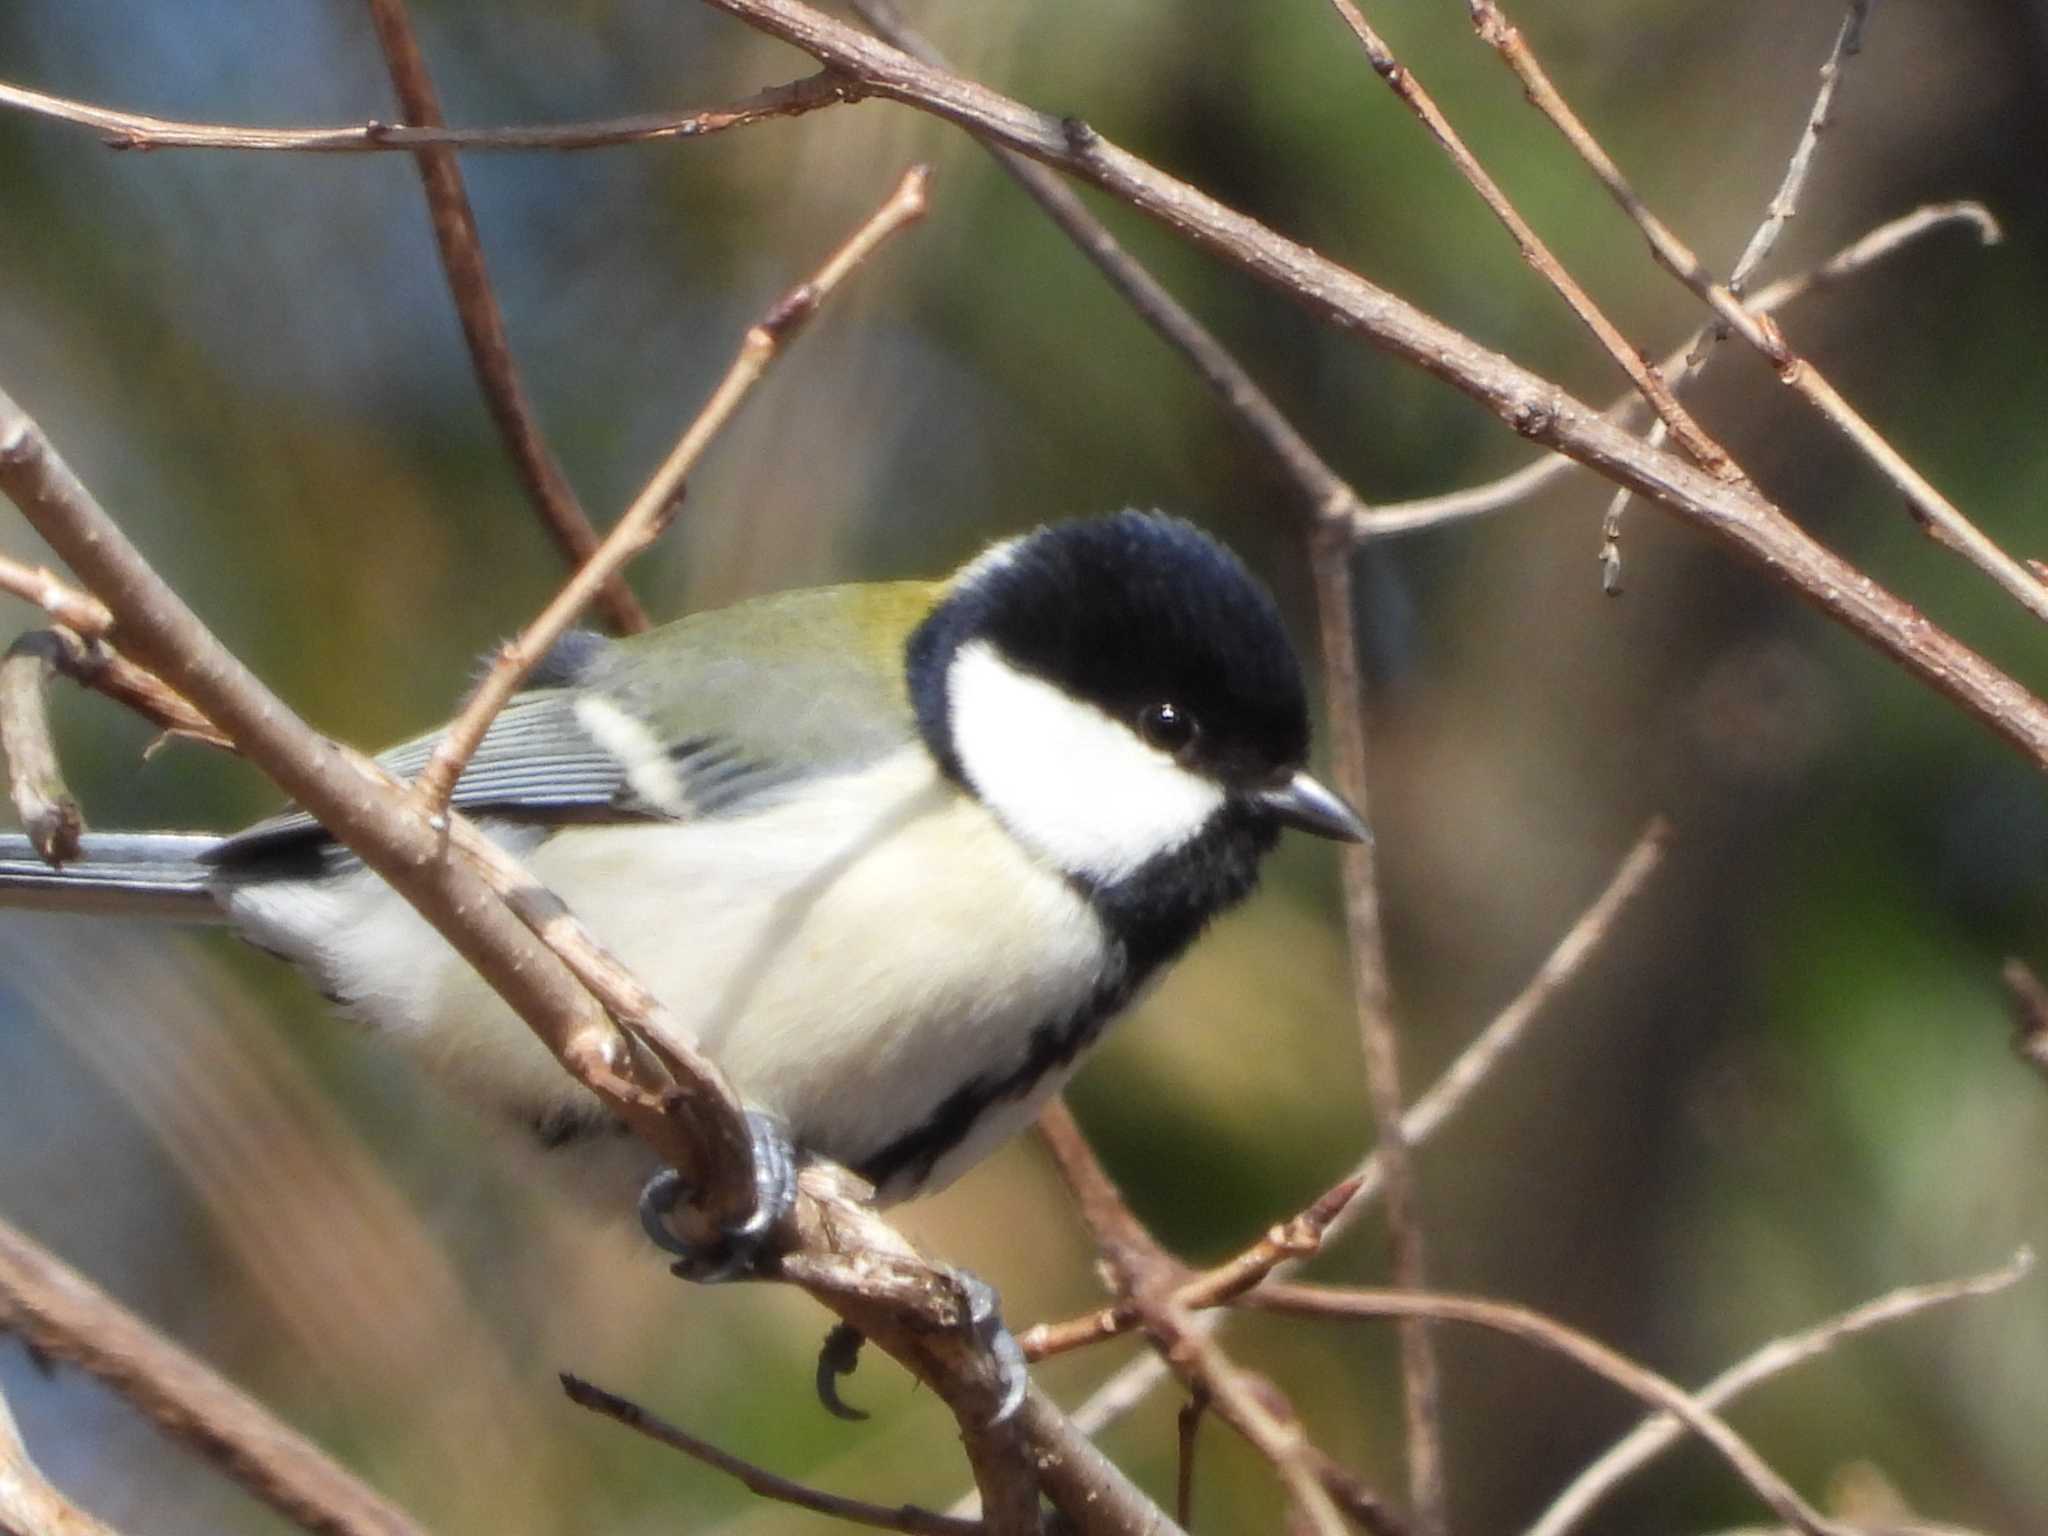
column 737, row 1250
column 983, row 1316
column 839, row 1357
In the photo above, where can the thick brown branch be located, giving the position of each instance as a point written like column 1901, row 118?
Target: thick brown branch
column 135, row 130
column 63, row 1315
column 483, row 322
column 863, row 1269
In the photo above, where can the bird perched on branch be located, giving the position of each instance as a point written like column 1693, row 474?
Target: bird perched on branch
column 895, row 853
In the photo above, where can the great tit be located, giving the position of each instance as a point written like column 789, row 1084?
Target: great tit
column 896, row 853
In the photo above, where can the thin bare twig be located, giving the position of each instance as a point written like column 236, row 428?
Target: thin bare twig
column 1675, row 418
column 908, row 1518
column 1290, row 1241
column 1939, row 517
column 1852, row 260
column 1353, row 1195
column 63, row 1315
column 75, row 610
column 1783, row 205
column 483, row 323
column 139, row 131
column 1660, row 1431
column 1785, row 202
column 1372, row 995
column 643, row 522
column 1547, row 1333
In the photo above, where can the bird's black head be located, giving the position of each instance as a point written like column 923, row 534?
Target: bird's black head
column 1122, row 695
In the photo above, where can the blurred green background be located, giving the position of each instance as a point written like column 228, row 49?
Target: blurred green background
column 1785, row 1086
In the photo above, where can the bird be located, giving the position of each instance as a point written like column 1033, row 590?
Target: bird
column 894, row 853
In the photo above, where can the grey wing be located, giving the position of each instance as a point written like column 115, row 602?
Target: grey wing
column 545, row 759
column 565, row 754
column 586, row 746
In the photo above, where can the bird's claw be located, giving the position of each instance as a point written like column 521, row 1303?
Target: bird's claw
column 737, row 1250
column 982, row 1317
column 839, row 1357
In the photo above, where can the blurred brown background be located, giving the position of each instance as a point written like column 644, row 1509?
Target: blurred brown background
column 1785, row 1087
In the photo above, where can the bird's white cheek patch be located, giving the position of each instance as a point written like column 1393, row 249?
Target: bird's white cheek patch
column 1072, row 783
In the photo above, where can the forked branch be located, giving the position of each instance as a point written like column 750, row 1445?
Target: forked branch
column 1941, row 518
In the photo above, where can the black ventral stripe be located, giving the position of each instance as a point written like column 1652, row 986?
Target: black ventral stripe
column 1152, row 916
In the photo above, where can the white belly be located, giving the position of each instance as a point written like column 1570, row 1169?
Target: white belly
column 849, row 960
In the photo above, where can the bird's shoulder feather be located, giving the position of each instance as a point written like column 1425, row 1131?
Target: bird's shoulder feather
column 706, row 716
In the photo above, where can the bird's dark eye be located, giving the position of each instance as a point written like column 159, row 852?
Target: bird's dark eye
column 1166, row 727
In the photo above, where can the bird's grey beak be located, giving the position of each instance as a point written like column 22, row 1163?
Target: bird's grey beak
column 1303, row 803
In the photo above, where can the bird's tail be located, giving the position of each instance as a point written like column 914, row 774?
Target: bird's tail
column 118, row 874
